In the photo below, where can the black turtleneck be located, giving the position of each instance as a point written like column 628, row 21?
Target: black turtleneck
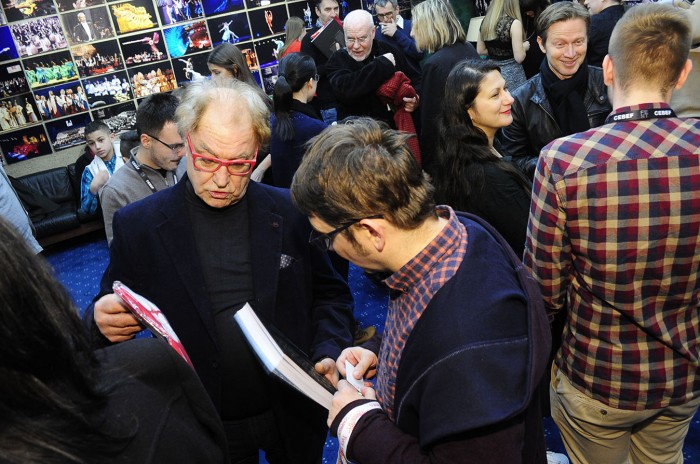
column 222, row 241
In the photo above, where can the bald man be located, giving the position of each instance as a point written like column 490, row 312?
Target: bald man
column 359, row 70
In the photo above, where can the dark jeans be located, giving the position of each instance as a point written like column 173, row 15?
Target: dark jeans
column 247, row 436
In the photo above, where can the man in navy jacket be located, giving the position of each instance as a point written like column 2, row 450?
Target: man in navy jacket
column 466, row 338
column 203, row 248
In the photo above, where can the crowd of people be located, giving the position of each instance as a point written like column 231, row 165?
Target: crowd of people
column 92, row 64
column 51, row 73
column 537, row 246
column 39, row 36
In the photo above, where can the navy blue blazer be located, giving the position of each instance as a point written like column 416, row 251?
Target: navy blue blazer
column 153, row 252
column 402, row 39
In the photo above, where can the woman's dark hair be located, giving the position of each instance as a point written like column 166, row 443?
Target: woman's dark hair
column 463, row 149
column 295, row 70
column 50, row 387
column 230, row 57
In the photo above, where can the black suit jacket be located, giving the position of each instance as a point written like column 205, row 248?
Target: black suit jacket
column 153, row 252
column 80, row 35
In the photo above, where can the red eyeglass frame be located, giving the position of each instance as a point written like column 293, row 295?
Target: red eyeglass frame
column 250, row 162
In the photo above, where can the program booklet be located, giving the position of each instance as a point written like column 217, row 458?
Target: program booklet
column 151, row 317
column 282, row 359
column 329, row 38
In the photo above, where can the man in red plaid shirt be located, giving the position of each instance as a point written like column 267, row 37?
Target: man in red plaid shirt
column 614, row 236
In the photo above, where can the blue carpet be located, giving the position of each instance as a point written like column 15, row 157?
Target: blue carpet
column 79, row 265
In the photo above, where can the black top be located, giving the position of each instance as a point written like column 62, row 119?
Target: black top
column 222, row 239
column 355, row 83
column 505, row 204
column 324, row 94
column 153, row 386
column 599, row 33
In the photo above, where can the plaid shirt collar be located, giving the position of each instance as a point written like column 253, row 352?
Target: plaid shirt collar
column 416, row 269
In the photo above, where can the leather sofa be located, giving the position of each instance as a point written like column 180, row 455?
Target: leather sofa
column 52, row 198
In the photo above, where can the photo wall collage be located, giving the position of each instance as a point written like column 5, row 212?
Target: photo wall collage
column 64, row 63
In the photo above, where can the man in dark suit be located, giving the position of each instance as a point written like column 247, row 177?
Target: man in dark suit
column 84, row 31
column 326, row 10
column 396, row 30
column 359, row 70
column 203, row 248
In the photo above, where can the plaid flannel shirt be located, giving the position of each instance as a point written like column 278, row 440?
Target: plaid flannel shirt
column 412, row 287
column 614, row 235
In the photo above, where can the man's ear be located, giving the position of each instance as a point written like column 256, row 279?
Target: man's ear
column 145, row 141
column 685, row 72
column 608, row 71
column 539, row 42
column 376, row 231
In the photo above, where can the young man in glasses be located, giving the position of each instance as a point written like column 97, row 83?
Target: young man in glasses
column 153, row 164
column 466, row 338
column 202, row 249
column 359, row 70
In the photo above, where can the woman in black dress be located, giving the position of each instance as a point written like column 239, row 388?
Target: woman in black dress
column 470, row 174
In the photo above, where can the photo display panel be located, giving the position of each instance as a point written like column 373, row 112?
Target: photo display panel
column 64, row 63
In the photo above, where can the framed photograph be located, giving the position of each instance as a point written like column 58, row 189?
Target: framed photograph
column 68, row 132
column 302, row 10
column 68, row 5
column 187, row 39
column 98, row 58
column 215, row 7
column 251, row 58
column 118, row 117
column 17, row 10
column 8, row 51
column 61, row 100
column 87, row 25
column 132, row 16
column 232, row 29
column 108, row 90
column 266, row 50
column 176, row 11
column 142, row 48
column 268, row 21
column 269, row 78
column 12, row 79
column 17, row 112
column 153, row 78
column 20, row 145
column 40, row 35
column 190, row 68
column 50, row 69
column 258, row 3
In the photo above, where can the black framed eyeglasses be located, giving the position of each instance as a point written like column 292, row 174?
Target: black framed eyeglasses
column 174, row 147
column 324, row 242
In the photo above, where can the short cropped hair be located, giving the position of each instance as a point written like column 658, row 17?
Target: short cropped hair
column 435, row 25
column 360, row 169
column 154, row 112
column 383, row 3
column 561, row 11
column 649, row 46
column 95, row 126
column 127, row 141
column 198, row 96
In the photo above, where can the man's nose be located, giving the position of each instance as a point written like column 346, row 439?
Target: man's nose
column 221, row 176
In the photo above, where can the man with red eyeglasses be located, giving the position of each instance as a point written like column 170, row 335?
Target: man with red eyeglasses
column 213, row 242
